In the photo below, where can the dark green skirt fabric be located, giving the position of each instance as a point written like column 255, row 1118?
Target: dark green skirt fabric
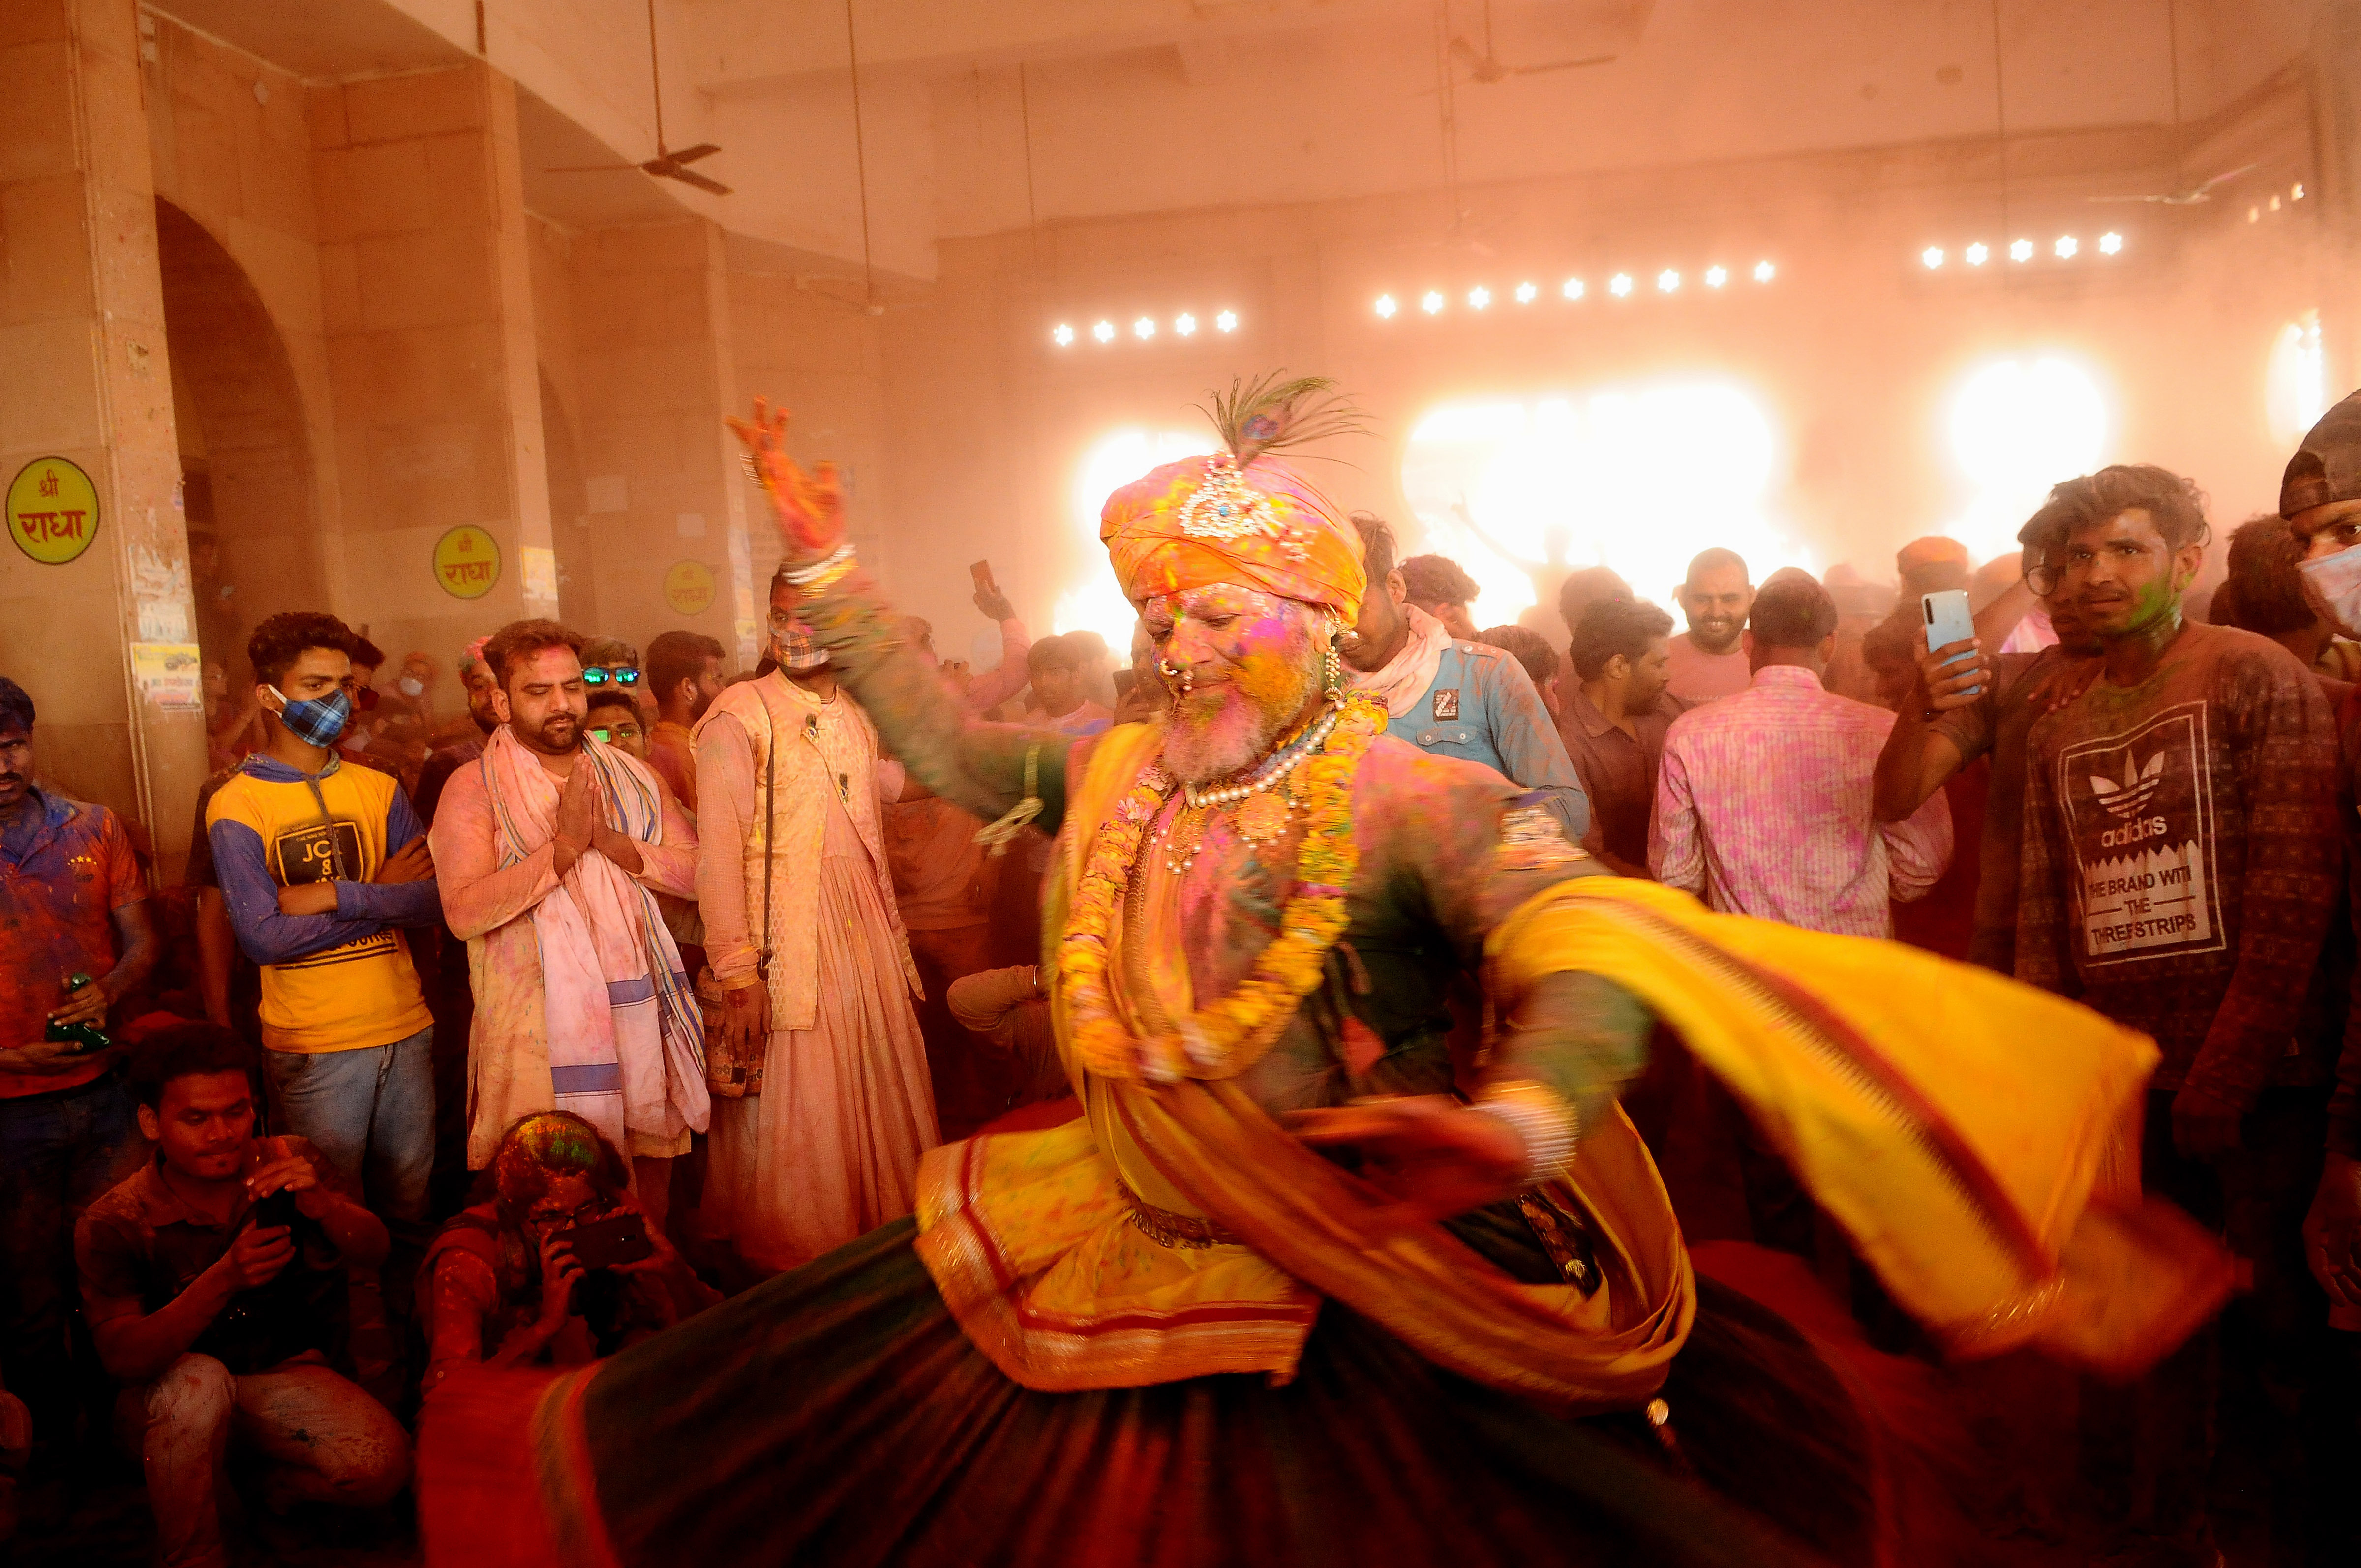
column 837, row 1415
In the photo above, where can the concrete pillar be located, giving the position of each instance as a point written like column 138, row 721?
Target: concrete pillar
column 427, row 304
column 666, row 494
column 82, row 330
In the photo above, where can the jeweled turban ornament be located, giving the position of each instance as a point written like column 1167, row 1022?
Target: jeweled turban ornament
column 1242, row 516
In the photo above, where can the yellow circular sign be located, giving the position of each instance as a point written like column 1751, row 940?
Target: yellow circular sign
column 689, row 587
column 52, row 510
column 467, row 562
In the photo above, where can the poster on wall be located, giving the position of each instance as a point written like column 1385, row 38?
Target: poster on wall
column 167, row 674
column 52, row 510
column 689, row 587
column 466, row 562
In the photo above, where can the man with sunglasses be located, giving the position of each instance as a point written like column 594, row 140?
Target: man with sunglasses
column 609, row 664
column 2181, row 868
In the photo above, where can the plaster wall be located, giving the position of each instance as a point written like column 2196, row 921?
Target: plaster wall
column 427, row 304
column 653, row 344
column 88, row 380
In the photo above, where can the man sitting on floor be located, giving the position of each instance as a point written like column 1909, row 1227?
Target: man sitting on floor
column 217, row 1281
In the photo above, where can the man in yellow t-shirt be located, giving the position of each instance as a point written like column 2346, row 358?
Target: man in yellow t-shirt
column 319, row 861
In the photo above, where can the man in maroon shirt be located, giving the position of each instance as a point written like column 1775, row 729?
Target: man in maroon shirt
column 1614, row 724
column 2181, row 866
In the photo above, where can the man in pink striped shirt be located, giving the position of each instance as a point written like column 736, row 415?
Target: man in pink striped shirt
column 1763, row 798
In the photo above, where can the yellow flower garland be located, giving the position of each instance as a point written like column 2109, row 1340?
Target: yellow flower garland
column 1226, row 1038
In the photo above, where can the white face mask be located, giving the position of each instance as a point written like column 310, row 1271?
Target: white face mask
column 2336, row 581
column 412, row 686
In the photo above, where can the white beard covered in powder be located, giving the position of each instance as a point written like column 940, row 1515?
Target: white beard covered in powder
column 1219, row 727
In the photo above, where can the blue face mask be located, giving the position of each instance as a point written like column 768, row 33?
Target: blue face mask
column 316, row 721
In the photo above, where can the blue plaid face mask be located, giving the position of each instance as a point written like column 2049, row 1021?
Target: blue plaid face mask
column 316, row 721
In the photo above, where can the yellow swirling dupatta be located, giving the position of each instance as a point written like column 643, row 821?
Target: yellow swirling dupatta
column 1955, row 1123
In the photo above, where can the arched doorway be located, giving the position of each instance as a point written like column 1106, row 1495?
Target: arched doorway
column 246, row 458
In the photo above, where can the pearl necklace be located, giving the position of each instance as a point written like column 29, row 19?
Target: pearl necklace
column 1197, row 804
column 1280, row 763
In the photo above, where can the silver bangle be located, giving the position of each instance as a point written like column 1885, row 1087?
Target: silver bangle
column 821, row 567
column 1550, row 1125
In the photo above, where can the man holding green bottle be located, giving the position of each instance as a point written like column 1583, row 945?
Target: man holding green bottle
column 72, row 903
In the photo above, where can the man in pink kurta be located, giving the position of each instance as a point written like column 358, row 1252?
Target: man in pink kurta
column 1762, row 799
column 551, row 848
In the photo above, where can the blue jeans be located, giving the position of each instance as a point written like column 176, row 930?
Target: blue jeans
column 59, row 1151
column 370, row 1111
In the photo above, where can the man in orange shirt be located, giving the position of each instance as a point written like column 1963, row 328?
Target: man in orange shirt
column 685, row 668
column 72, row 903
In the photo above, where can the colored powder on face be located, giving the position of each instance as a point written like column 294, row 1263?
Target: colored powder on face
column 1267, row 676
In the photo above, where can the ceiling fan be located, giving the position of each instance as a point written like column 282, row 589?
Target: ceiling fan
column 1487, row 69
column 2189, row 198
column 667, row 164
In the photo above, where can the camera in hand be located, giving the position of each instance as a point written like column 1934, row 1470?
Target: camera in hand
column 603, row 1244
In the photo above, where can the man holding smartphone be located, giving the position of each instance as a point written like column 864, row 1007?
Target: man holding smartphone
column 1966, row 703
column 216, row 1281
column 2180, row 871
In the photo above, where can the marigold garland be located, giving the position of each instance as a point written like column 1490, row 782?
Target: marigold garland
column 1226, row 1038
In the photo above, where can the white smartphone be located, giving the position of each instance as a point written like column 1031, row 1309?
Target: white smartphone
column 1948, row 621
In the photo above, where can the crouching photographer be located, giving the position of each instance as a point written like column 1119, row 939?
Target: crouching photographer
column 555, row 1268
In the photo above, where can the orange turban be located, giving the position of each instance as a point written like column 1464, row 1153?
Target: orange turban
column 1206, row 519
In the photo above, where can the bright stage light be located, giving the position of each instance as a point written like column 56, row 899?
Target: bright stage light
column 2017, row 427
column 1095, row 603
column 2110, row 243
column 1144, row 328
column 1932, row 256
column 1573, row 290
column 1385, row 307
column 1104, row 332
column 2253, row 214
column 1503, row 485
column 1063, row 335
column 2295, row 191
column 1714, row 277
column 1226, row 322
column 1765, row 272
column 2066, row 246
column 2295, row 385
column 2020, row 250
column 1667, row 281
column 1525, row 293
column 1977, row 254
column 2275, row 201
column 1185, row 324
column 1478, row 296
column 1431, row 302
column 1620, row 285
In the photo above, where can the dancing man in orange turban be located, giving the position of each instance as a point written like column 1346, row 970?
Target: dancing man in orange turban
column 1296, row 1285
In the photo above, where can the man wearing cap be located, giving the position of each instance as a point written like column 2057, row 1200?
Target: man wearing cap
column 2320, row 497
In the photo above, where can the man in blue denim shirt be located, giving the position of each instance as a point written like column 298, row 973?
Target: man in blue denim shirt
column 1454, row 699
